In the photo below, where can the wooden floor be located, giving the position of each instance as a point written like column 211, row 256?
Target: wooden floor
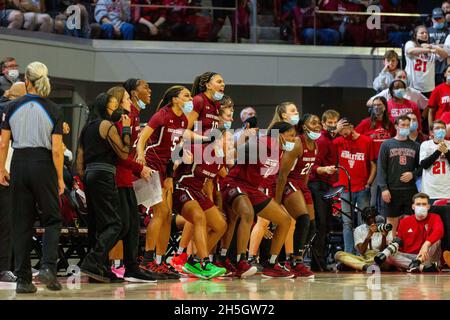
column 329, row 286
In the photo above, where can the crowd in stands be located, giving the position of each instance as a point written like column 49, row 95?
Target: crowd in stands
column 182, row 20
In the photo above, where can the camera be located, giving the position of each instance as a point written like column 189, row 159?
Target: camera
column 384, row 227
column 390, row 250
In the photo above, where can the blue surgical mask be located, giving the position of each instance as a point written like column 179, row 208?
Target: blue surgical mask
column 448, row 79
column 404, row 132
column 188, row 107
column 439, row 25
column 313, row 135
column 294, row 119
column 399, row 93
column 141, row 104
column 414, row 126
column 227, row 124
column 288, row 146
column 439, row 134
column 217, row 95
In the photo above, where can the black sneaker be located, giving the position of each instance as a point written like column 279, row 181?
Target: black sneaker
column 48, row 277
column 431, row 268
column 414, row 267
column 98, row 273
column 113, row 278
column 7, row 276
column 138, row 276
column 343, row 268
column 25, row 287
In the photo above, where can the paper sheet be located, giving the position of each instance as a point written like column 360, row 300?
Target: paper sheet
column 148, row 193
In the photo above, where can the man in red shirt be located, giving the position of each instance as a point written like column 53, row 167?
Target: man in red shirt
column 421, row 236
column 439, row 102
column 356, row 154
column 321, row 184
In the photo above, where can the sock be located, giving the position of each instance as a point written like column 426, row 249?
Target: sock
column 288, row 257
column 301, row 234
column 158, row 259
column 149, row 256
column 117, row 264
column 204, row 261
column 240, row 257
column 273, row 259
column 223, row 252
column 251, row 257
column 299, row 258
column 180, row 250
column 211, row 257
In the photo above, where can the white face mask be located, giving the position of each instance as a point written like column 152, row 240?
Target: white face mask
column 421, row 212
column 13, row 74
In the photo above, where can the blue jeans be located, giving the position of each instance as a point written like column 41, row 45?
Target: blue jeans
column 126, row 30
column 362, row 200
column 326, row 36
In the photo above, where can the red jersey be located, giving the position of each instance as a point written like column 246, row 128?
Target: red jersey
column 264, row 169
column 440, row 100
column 396, row 110
column 168, row 129
column 355, row 156
column 378, row 133
column 126, row 170
column 194, row 175
column 303, row 163
column 208, row 112
column 414, row 233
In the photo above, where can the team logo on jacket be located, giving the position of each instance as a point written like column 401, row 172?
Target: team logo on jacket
column 410, row 230
column 351, row 163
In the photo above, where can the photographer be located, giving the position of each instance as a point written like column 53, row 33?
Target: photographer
column 368, row 241
column 421, row 235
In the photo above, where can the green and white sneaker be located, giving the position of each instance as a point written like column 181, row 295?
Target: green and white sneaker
column 213, row 271
column 195, row 269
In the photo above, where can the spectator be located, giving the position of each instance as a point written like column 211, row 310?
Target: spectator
column 411, row 94
column 446, row 119
column 10, row 73
column 380, row 128
column 368, row 242
column 13, row 19
column 353, row 28
column 34, row 15
column 421, row 235
column 250, row 125
column 321, row 184
column 220, row 16
column 435, row 161
column 387, row 75
column 446, row 9
column 440, row 99
column 84, row 31
column 398, row 167
column 398, row 28
column 356, row 154
column 113, row 17
column 438, row 34
column 398, row 105
column 291, row 18
column 179, row 28
column 415, row 134
column 148, row 19
column 326, row 29
column 420, row 60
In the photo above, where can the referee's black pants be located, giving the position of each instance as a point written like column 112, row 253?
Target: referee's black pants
column 34, row 180
column 5, row 229
column 102, row 199
column 130, row 227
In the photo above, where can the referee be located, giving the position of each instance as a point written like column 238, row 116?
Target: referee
column 34, row 124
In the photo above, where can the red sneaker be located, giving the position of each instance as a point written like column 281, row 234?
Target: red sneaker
column 153, row 268
column 245, row 270
column 231, row 269
column 302, row 271
column 277, row 271
column 178, row 261
column 288, row 267
column 168, row 271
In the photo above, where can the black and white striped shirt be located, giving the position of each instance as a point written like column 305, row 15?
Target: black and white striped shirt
column 32, row 121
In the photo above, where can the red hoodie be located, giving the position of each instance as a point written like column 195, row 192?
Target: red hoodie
column 414, row 233
column 126, row 170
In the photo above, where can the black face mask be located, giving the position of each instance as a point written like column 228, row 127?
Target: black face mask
column 252, row 121
column 331, row 129
column 117, row 114
column 421, row 41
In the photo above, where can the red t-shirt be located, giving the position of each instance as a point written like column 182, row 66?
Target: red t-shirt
column 440, row 100
column 126, row 170
column 396, row 110
column 208, row 112
column 355, row 156
column 258, row 174
column 414, row 233
column 446, row 117
column 378, row 133
column 168, row 129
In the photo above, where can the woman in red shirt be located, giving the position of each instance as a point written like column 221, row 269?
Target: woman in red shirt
column 398, row 105
column 440, row 99
column 378, row 126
